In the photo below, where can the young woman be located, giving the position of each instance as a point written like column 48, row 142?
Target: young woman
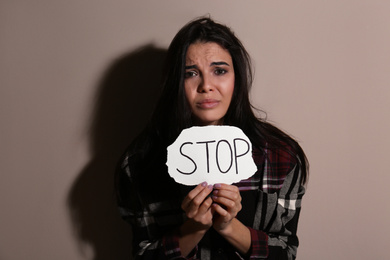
column 207, row 81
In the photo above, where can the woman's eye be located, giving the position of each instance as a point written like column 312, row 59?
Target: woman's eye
column 190, row 74
column 220, row 71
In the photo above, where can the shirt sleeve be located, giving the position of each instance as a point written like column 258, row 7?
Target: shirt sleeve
column 259, row 246
column 172, row 249
column 276, row 220
column 149, row 241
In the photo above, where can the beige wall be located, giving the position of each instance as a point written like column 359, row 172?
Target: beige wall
column 322, row 74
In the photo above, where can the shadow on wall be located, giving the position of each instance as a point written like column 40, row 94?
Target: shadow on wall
column 124, row 102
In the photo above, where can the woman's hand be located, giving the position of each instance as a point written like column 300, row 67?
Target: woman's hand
column 197, row 206
column 227, row 203
column 218, row 211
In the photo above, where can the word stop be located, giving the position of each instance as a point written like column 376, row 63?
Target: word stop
column 216, row 154
column 221, row 145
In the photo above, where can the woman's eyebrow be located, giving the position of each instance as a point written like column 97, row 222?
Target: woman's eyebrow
column 191, row 67
column 217, row 63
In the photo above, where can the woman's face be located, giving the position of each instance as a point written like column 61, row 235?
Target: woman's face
column 209, row 82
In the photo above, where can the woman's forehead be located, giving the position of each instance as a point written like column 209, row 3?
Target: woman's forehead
column 206, row 52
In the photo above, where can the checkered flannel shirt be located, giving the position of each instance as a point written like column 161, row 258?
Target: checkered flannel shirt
column 274, row 227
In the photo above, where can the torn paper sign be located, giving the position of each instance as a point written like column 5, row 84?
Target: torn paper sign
column 215, row 154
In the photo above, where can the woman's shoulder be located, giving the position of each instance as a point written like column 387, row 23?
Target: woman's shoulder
column 281, row 153
column 282, row 158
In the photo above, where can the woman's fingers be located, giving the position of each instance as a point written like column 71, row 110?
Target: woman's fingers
column 221, row 217
column 232, row 196
column 197, row 206
column 227, row 195
column 228, row 191
column 193, row 194
column 228, row 204
column 196, row 201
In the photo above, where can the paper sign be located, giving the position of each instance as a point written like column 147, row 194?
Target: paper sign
column 215, row 154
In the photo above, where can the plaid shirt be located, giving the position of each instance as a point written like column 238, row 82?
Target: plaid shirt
column 151, row 202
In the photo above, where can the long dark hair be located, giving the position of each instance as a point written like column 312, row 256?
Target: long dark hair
column 173, row 114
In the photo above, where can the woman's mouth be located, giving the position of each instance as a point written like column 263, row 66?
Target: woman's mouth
column 207, row 103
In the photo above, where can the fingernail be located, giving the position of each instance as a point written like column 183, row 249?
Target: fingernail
column 204, row 184
column 218, row 185
column 210, row 187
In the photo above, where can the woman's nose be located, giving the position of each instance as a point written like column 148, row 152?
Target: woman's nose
column 205, row 85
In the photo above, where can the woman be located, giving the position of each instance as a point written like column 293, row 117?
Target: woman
column 207, row 80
